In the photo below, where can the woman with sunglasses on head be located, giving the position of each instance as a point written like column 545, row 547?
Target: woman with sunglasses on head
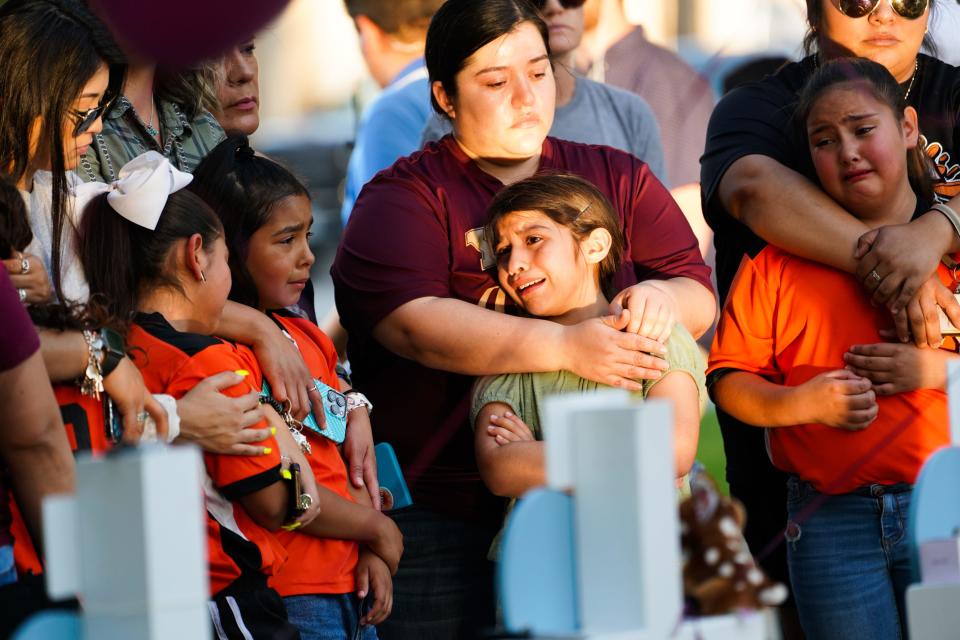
column 586, row 111
column 759, row 186
column 425, row 316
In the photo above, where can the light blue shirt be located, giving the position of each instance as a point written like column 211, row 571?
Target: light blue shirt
column 389, row 129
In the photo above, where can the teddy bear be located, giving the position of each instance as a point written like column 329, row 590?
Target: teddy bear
column 719, row 573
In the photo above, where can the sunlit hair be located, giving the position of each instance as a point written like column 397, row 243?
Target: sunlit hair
column 49, row 50
column 405, row 19
column 462, row 27
column 873, row 78
column 242, row 188
column 569, row 201
column 122, row 260
column 811, row 40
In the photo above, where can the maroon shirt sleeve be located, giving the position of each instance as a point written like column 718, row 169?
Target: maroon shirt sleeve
column 20, row 340
column 660, row 242
column 395, row 249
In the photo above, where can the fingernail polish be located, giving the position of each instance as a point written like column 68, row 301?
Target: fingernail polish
column 273, row 431
column 267, row 451
column 242, row 372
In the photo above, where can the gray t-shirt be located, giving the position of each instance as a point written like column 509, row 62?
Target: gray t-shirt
column 597, row 114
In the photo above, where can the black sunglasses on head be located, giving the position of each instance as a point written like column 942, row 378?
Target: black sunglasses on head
column 85, row 119
column 566, row 4
column 909, row 9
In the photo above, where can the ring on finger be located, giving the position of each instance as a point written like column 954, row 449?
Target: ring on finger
column 876, row 276
column 24, row 264
column 22, row 293
column 142, row 417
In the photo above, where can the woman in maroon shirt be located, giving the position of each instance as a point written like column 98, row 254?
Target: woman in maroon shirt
column 424, row 316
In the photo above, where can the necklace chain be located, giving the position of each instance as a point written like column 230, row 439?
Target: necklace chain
column 153, row 110
column 916, row 67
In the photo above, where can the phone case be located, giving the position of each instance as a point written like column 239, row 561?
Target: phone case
column 394, row 493
column 334, row 410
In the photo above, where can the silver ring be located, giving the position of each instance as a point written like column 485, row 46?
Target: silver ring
column 876, row 276
column 142, row 417
column 24, row 265
column 23, row 295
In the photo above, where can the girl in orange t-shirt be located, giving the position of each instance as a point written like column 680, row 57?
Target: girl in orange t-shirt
column 155, row 258
column 851, row 422
column 350, row 550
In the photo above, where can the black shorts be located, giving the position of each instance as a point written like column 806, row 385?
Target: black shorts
column 250, row 610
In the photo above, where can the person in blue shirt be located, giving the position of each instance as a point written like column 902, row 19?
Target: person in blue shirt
column 392, row 37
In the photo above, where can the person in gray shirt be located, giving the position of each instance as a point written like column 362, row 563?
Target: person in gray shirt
column 587, row 111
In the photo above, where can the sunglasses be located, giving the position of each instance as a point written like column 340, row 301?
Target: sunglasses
column 909, row 9
column 566, row 4
column 85, row 119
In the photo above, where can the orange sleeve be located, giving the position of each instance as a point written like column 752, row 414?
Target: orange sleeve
column 745, row 336
column 234, row 476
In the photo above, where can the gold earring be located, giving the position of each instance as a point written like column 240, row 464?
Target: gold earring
column 203, row 278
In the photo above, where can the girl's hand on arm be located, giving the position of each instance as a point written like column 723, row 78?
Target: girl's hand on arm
column 125, row 387
column 508, row 467
column 282, row 364
column 653, row 309
column 360, row 456
column 598, row 349
column 897, row 368
column 218, row 423
column 35, row 282
column 375, row 584
column 507, row 427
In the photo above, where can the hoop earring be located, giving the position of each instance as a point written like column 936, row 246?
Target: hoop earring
column 203, row 278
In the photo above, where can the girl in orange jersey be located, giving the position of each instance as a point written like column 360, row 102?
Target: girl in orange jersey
column 853, row 431
column 155, row 257
column 347, row 554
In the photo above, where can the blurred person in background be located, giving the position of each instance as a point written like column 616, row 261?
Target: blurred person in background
column 392, row 36
column 238, row 89
column 944, row 27
column 759, row 186
column 586, row 111
column 617, row 52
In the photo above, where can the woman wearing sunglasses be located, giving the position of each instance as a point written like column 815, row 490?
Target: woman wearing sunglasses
column 425, row 316
column 759, row 186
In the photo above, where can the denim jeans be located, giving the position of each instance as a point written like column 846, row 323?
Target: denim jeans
column 8, row 569
column 849, row 560
column 444, row 588
column 327, row 617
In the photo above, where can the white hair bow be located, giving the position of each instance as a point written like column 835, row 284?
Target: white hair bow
column 142, row 190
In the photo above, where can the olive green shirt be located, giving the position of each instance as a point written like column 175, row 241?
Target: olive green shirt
column 124, row 137
column 525, row 392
